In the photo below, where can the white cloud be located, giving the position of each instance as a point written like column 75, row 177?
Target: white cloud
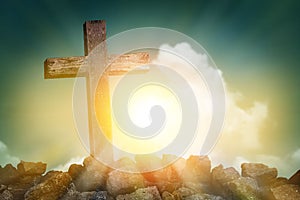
column 243, row 124
column 65, row 167
column 286, row 165
column 296, row 155
column 5, row 157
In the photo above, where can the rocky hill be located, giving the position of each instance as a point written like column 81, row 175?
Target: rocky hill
column 191, row 179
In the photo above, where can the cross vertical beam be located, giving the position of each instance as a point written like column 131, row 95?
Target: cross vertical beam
column 95, row 34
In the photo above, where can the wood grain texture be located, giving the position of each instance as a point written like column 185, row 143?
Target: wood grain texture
column 71, row 67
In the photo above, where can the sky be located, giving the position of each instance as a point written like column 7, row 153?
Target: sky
column 254, row 43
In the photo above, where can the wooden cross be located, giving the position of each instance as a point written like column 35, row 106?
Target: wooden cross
column 71, row 67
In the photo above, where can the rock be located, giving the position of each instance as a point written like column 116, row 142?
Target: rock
column 166, row 179
column 222, row 176
column 101, row 195
column 197, row 187
column 295, row 179
column 53, row 186
column 19, row 187
column 149, row 193
column 85, row 195
column 120, row 182
column 178, row 164
column 89, row 177
column 286, row 192
column 126, row 164
column 197, row 169
column 75, row 170
column 71, row 193
column 17, row 193
column 182, row 193
column 8, row 174
column 146, row 163
column 6, row 195
column 31, row 168
column 220, row 179
column 244, row 188
column 2, row 188
column 260, row 172
column 279, row 181
column 200, row 196
column 167, row 196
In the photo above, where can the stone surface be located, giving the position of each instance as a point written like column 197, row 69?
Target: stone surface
column 71, row 193
column 75, row 170
column 260, row 172
column 166, row 179
column 52, row 187
column 286, row 192
column 120, row 182
column 146, row 163
column 183, row 192
column 222, row 176
column 197, row 169
column 178, row 164
column 31, row 168
column 149, row 193
column 8, row 174
column 220, row 179
column 200, row 196
column 93, row 180
column 89, row 177
column 6, row 195
column 295, row 179
column 167, row 196
column 244, row 188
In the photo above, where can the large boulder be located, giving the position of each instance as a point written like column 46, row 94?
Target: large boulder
column 222, row 176
column 120, row 182
column 286, row 192
column 30, row 174
column 31, row 168
column 89, row 177
column 200, row 196
column 146, row 163
column 71, row 193
column 183, row 193
column 244, row 188
column 197, row 169
column 263, row 174
column 149, row 193
column 6, row 195
column 220, row 179
column 167, row 196
column 177, row 163
column 8, row 174
column 295, row 179
column 53, row 186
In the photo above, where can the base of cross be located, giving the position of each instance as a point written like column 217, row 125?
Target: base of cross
column 191, row 178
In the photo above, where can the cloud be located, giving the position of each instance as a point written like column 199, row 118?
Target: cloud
column 5, row 156
column 65, row 167
column 243, row 124
column 241, row 131
column 296, row 155
column 285, row 164
column 240, row 141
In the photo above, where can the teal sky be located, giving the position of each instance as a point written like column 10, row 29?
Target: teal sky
column 256, row 44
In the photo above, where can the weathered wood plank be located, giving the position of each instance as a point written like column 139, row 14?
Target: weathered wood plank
column 70, row 67
column 67, row 67
column 94, row 34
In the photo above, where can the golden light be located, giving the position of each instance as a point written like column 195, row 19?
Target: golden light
column 139, row 106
